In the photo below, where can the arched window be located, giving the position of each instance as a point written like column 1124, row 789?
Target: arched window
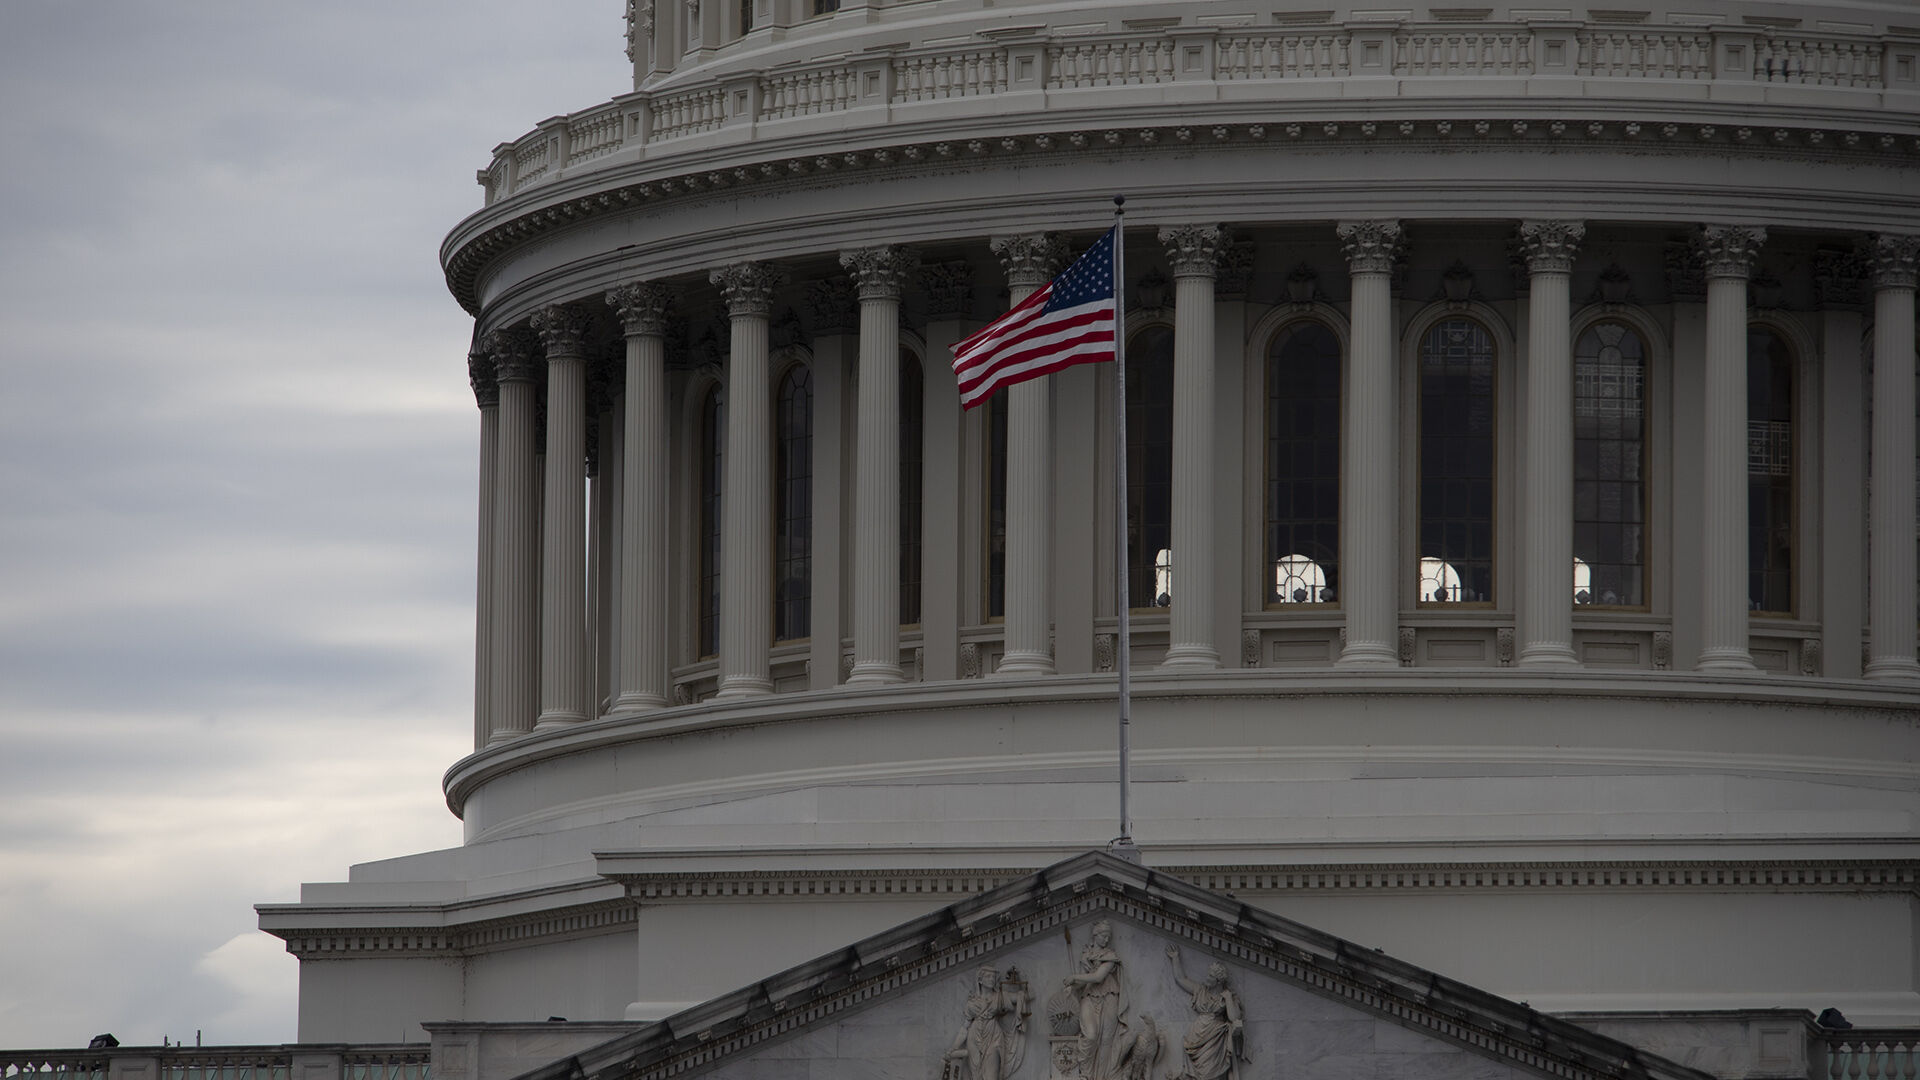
column 997, row 506
column 912, row 402
column 793, row 505
column 1609, row 466
column 1770, row 451
column 1150, row 468
column 1303, row 465
column 1456, row 462
column 713, row 443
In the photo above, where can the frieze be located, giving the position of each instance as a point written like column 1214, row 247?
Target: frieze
column 1824, row 145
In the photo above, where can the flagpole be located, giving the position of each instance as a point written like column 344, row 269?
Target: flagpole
column 1123, row 642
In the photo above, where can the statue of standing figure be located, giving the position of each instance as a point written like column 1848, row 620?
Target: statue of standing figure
column 1216, row 1040
column 1103, row 1005
column 993, row 1041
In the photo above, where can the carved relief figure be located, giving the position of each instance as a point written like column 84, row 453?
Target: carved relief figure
column 1103, row 1004
column 1215, row 1044
column 993, row 1041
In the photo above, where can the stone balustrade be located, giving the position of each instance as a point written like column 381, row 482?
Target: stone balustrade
column 1600, row 61
column 1873, row 1054
column 399, row 1061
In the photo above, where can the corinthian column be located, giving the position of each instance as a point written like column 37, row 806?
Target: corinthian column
column 1891, row 515
column 1193, row 250
column 1030, row 261
column 879, row 273
column 486, row 393
column 1369, row 533
column 564, row 690
column 1730, row 251
column 1546, row 605
column 642, row 662
column 746, row 559
column 514, row 634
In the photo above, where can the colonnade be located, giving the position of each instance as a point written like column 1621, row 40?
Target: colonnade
column 532, row 646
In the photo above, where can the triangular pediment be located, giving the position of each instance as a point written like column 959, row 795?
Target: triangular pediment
column 979, row 991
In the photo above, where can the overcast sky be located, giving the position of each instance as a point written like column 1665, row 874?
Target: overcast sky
column 237, row 470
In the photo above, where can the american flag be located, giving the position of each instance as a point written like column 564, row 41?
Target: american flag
column 1067, row 321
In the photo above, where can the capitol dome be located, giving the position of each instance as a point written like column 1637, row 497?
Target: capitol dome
column 1521, row 531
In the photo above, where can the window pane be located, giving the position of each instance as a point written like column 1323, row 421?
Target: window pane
column 1609, row 450
column 1303, row 465
column 1770, row 439
column 1456, row 463
column 1150, row 468
column 912, row 402
column 793, row 506
column 713, row 442
column 997, row 506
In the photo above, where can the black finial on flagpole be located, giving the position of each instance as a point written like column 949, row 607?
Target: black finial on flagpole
column 1119, row 204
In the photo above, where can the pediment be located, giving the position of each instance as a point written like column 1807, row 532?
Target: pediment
column 981, row 991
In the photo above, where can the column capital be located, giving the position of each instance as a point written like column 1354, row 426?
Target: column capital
column 514, row 356
column 748, row 287
column 480, row 375
column 1729, row 251
column 879, row 273
column 1030, row 259
column 1372, row 246
column 1194, row 250
column 1895, row 260
column 949, row 289
column 1550, row 246
column 642, row 307
column 562, row 329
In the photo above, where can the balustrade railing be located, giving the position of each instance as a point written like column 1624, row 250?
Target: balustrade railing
column 407, row 1061
column 1135, row 58
column 1873, row 1054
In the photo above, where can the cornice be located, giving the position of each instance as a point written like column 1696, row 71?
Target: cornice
column 572, row 920
column 772, row 166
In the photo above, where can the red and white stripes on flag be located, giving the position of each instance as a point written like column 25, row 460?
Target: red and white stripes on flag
column 1068, row 321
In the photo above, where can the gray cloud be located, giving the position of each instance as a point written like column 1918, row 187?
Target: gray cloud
column 237, row 462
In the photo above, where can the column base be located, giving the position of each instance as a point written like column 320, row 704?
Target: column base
column 1893, row 667
column 1732, row 660
column 734, row 687
column 634, row 701
column 1368, row 654
column 1191, row 657
column 1548, row 654
column 500, row 737
column 558, row 719
column 1017, row 664
column 875, row 673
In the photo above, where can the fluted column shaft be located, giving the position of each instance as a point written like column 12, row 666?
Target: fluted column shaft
column 1891, row 569
column 1030, row 262
column 1193, row 251
column 1546, row 598
column 564, row 686
column 642, row 661
column 1729, row 252
column 746, row 556
column 878, row 273
column 1369, row 536
column 486, row 393
column 516, row 522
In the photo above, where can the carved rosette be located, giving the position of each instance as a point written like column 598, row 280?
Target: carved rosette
column 480, row 375
column 642, row 308
column 949, row 289
column 562, row 329
column 1550, row 246
column 879, row 273
column 1194, row 250
column 514, row 357
column 1371, row 247
column 1030, row 259
column 1895, row 260
column 747, row 287
column 1730, row 251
